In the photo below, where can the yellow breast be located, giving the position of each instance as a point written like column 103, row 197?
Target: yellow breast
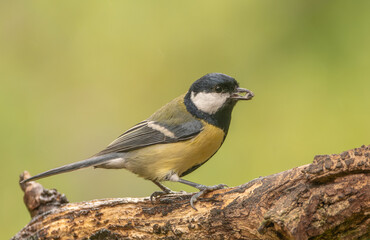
column 159, row 161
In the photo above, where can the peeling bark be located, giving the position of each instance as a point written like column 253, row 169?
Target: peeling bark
column 328, row 199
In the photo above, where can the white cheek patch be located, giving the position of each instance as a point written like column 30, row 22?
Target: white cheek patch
column 209, row 102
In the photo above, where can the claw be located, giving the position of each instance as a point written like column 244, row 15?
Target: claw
column 203, row 191
column 159, row 194
column 155, row 195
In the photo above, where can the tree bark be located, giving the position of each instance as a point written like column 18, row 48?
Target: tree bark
column 328, row 199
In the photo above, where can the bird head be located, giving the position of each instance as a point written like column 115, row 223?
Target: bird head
column 216, row 91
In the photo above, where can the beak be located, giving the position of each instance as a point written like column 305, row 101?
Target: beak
column 242, row 94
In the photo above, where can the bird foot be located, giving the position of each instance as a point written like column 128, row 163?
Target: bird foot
column 203, row 191
column 159, row 194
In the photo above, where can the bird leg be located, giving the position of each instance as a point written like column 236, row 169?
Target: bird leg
column 203, row 189
column 165, row 190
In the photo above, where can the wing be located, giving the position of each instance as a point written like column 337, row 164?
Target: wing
column 148, row 133
column 171, row 123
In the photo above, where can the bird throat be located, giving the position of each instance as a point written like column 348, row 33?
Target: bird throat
column 220, row 119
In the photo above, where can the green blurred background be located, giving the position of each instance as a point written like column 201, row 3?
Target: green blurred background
column 76, row 74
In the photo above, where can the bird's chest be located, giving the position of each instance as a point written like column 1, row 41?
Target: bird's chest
column 159, row 161
column 199, row 149
column 187, row 154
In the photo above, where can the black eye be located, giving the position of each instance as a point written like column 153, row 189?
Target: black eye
column 218, row 89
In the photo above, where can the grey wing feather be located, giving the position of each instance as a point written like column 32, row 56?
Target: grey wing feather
column 142, row 135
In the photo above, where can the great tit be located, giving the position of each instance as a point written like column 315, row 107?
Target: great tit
column 174, row 141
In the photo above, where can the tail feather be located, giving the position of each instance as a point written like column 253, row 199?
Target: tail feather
column 77, row 165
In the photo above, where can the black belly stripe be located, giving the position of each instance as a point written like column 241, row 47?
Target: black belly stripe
column 195, row 167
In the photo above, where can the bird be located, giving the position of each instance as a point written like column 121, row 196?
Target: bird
column 174, row 141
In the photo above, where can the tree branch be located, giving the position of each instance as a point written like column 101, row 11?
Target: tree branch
column 328, row 199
